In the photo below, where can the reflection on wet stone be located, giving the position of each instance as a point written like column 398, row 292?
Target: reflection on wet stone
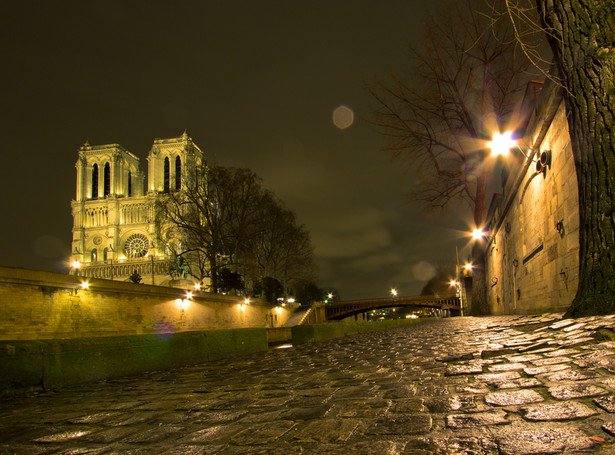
column 543, row 440
column 519, row 383
column 262, row 433
column 566, row 410
column 516, row 397
column 565, row 392
column 402, row 424
column 606, row 403
column 448, row 386
column 451, row 446
column 327, row 430
column 476, row 419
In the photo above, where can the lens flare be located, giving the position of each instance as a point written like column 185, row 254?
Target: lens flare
column 501, row 144
column 343, row 117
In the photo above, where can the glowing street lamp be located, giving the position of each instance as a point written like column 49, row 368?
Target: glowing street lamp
column 468, row 267
column 501, row 144
column 75, row 265
column 453, row 283
column 394, row 292
column 477, row 234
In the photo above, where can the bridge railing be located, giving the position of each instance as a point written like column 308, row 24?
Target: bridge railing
column 347, row 308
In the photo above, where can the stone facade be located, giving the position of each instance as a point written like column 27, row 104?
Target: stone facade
column 532, row 256
column 114, row 233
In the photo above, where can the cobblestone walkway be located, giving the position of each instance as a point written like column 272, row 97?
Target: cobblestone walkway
column 499, row 385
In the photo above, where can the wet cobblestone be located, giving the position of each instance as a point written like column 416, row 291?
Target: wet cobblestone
column 499, row 385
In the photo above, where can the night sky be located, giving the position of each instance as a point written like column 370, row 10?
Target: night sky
column 255, row 84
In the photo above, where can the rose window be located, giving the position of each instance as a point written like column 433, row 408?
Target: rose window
column 136, row 246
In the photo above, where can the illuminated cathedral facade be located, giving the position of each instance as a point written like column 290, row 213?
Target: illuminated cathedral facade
column 114, row 229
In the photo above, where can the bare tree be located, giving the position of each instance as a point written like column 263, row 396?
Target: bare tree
column 464, row 82
column 238, row 198
column 188, row 224
column 283, row 249
column 224, row 218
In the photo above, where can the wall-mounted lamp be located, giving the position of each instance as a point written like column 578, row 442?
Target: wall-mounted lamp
column 75, row 265
column 560, row 228
column 478, row 234
column 544, row 162
column 83, row 285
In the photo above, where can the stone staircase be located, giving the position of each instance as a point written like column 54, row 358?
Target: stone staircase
column 298, row 317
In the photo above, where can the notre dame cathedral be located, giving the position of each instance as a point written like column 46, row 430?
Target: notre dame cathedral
column 114, row 232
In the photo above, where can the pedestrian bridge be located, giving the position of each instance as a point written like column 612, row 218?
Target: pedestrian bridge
column 443, row 305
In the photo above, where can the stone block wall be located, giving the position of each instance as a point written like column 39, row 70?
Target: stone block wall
column 532, row 258
column 42, row 305
column 34, row 365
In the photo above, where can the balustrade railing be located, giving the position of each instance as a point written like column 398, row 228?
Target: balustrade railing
column 113, row 270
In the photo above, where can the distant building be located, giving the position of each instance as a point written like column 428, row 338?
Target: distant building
column 114, row 233
column 532, row 256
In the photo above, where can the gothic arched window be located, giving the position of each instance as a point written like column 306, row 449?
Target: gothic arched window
column 94, row 255
column 166, row 174
column 178, row 173
column 105, row 254
column 129, row 184
column 95, row 181
column 107, row 181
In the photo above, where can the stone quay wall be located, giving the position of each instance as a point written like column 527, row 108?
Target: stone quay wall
column 55, row 333
column 38, row 365
column 38, row 305
column 532, row 258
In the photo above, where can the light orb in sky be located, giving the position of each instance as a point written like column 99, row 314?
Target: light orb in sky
column 423, row 271
column 343, row 117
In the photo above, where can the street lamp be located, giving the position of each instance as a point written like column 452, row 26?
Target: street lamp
column 501, row 144
column 477, row 234
column 75, row 265
column 394, row 292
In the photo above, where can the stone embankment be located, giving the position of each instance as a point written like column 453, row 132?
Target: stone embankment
column 498, row 385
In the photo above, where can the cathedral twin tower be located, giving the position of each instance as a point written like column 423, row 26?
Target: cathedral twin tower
column 114, row 232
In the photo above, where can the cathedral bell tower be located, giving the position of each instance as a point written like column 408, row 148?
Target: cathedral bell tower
column 114, row 232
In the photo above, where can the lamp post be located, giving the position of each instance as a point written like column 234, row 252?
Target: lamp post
column 500, row 145
column 75, row 266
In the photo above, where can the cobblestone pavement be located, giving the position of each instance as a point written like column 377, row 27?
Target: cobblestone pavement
column 498, row 385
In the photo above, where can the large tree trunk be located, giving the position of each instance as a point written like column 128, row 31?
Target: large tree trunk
column 582, row 35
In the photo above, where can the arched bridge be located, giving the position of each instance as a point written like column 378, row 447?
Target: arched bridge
column 339, row 310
